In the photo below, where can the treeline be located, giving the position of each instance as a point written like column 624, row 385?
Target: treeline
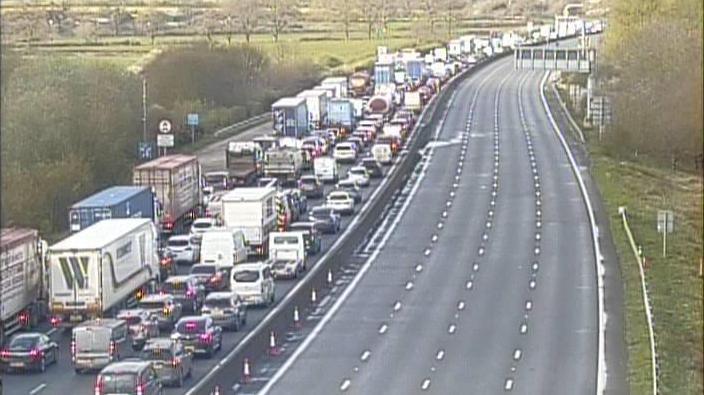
column 71, row 127
column 654, row 77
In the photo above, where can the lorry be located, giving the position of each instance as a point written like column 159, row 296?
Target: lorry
column 438, row 70
column 251, row 210
column 24, row 285
column 440, row 54
column 290, row 115
column 176, row 182
column 380, row 104
column 341, row 116
column 317, row 105
column 360, row 84
column 413, row 101
column 243, row 161
column 285, row 163
column 126, row 201
column 102, row 269
column 383, row 76
column 340, row 85
column 454, row 48
column 416, row 70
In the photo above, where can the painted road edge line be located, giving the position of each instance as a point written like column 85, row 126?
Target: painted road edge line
column 598, row 257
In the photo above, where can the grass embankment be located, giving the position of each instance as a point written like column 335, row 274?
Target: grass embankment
column 674, row 284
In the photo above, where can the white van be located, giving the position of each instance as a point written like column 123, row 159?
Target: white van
column 382, row 153
column 326, row 169
column 223, row 247
column 287, row 252
column 254, row 282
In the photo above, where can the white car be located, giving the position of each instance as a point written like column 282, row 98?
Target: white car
column 182, row 249
column 345, row 152
column 360, row 175
column 341, row 201
column 202, row 225
column 253, row 282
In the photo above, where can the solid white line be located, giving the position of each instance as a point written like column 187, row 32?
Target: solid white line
column 37, row 389
column 598, row 257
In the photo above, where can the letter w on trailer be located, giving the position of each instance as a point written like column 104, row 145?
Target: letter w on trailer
column 101, row 269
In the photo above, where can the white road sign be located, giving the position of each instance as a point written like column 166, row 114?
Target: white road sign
column 165, row 140
column 164, row 126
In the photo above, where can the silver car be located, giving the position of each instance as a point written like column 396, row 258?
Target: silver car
column 170, row 360
column 226, row 309
column 182, row 249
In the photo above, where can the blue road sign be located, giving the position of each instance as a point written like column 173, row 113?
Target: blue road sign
column 146, row 150
column 192, row 120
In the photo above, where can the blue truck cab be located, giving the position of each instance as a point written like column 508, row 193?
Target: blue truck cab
column 113, row 202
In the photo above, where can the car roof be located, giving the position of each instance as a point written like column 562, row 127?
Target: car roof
column 125, row 367
column 307, row 224
column 338, row 193
column 205, row 219
column 160, row 342
column 132, row 312
column 34, row 335
column 358, row 168
column 248, row 266
column 180, row 237
column 178, row 278
column 193, row 318
column 156, row 297
column 220, row 295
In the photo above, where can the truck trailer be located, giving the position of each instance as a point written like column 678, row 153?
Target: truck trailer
column 341, row 116
column 24, row 285
column 290, row 115
column 104, row 268
column 176, row 182
column 317, row 106
column 251, row 210
column 123, row 201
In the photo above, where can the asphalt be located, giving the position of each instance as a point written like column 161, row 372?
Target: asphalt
column 61, row 378
column 445, row 309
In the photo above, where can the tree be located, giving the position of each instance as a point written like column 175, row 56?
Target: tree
column 87, row 30
column 280, row 15
column 451, row 12
column 430, row 9
column 368, row 14
column 246, row 13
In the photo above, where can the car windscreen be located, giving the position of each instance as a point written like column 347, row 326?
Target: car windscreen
column 151, row 305
column 343, row 148
column 92, row 340
column 118, row 383
column 190, row 326
column 337, row 197
column 131, row 319
column 156, row 353
column 246, row 276
column 358, row 172
column 23, row 343
column 174, row 287
column 310, row 181
column 178, row 243
column 202, row 225
column 322, row 214
column 217, row 302
column 203, row 269
column 285, row 240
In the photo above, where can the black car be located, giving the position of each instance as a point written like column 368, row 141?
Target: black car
column 373, row 167
column 199, row 334
column 326, row 219
column 29, row 351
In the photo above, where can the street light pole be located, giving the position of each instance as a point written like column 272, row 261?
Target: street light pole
column 144, row 108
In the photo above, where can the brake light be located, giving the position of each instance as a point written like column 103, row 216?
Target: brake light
column 24, row 318
column 4, row 353
column 140, row 389
column 216, row 279
column 191, row 293
column 175, row 361
column 166, row 261
column 55, row 321
column 99, row 386
column 206, row 338
column 112, row 348
column 36, row 354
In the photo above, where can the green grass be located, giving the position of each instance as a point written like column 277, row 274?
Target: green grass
column 674, row 284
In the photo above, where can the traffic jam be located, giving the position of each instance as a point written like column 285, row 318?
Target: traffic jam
column 157, row 278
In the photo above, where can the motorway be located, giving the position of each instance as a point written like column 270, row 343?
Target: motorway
column 61, row 379
column 486, row 283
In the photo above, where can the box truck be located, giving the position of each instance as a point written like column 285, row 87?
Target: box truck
column 126, row 201
column 176, row 182
column 244, row 162
column 340, row 85
column 251, row 210
column 290, row 116
column 23, row 285
column 360, row 84
column 341, row 116
column 104, row 268
column 413, row 101
column 316, row 103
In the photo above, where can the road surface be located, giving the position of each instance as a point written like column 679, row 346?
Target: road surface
column 498, row 294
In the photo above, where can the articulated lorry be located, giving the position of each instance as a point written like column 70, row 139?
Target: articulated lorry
column 317, row 106
column 176, row 182
column 102, row 269
column 23, row 281
column 290, row 116
column 124, row 201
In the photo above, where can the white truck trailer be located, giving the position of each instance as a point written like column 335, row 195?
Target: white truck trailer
column 251, row 210
column 102, row 269
column 23, row 289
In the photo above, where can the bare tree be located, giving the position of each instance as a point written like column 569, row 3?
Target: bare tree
column 451, row 13
column 87, row 30
column 341, row 11
column 368, row 14
column 430, row 9
column 280, row 15
column 246, row 13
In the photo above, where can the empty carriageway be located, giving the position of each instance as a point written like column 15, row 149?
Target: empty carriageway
column 485, row 283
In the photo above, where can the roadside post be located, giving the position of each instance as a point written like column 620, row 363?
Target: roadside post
column 666, row 224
